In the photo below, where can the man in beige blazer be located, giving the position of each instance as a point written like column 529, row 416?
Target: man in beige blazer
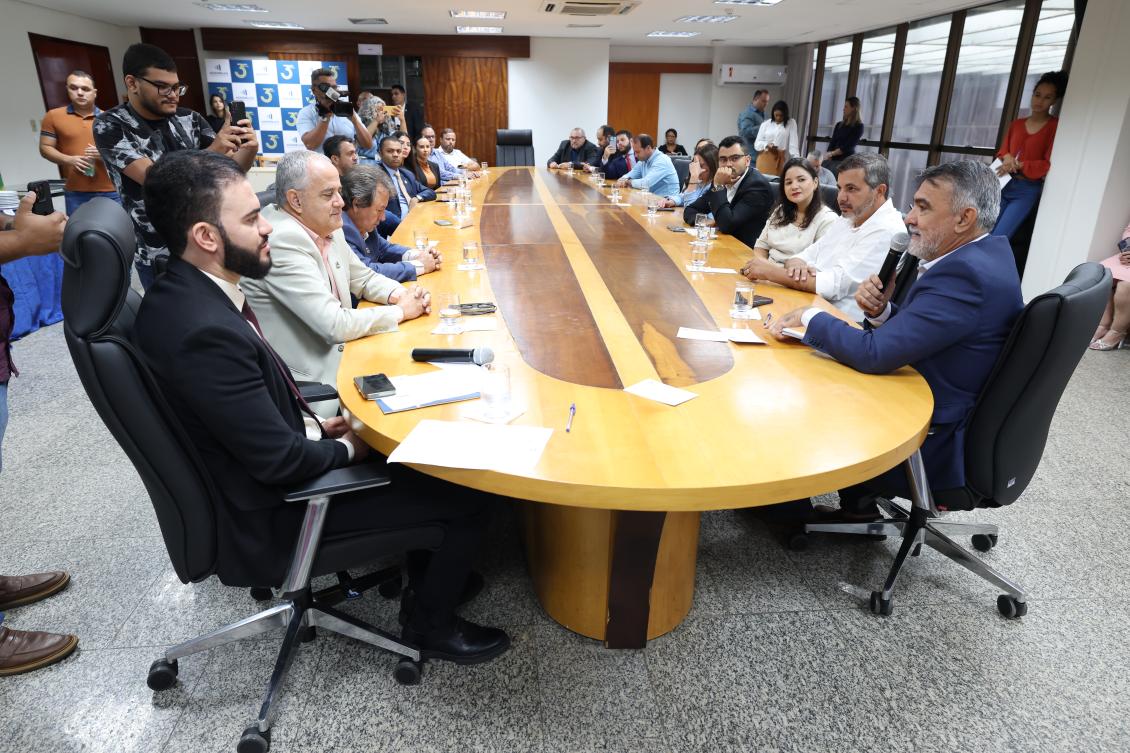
column 303, row 304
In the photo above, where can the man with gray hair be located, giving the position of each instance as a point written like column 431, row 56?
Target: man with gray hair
column 317, row 122
column 576, row 150
column 854, row 245
column 951, row 324
column 303, row 304
column 365, row 190
column 825, row 176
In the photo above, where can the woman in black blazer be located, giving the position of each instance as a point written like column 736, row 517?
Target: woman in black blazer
column 669, row 146
column 845, row 136
column 419, row 162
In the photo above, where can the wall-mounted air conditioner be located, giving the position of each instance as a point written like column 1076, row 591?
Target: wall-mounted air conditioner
column 588, row 7
column 732, row 73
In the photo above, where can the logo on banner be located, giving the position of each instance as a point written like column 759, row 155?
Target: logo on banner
column 307, row 94
column 270, row 118
column 244, row 93
column 272, row 142
column 217, row 70
column 267, row 94
column 223, row 91
column 289, row 118
column 287, row 72
column 339, row 71
column 290, row 95
column 241, row 71
column 263, row 70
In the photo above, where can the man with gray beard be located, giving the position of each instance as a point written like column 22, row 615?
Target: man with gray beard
column 950, row 327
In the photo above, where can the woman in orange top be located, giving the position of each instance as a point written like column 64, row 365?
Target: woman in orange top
column 1026, row 154
column 419, row 162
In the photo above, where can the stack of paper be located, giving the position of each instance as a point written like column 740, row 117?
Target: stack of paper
column 659, row 392
column 723, row 335
column 484, row 447
column 433, row 388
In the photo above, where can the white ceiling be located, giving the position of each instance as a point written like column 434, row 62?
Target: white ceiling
column 790, row 22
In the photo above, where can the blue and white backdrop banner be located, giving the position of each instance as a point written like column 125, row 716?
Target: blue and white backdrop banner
column 273, row 90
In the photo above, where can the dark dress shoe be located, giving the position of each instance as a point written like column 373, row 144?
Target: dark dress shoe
column 17, row 590
column 462, row 642
column 23, row 650
column 472, row 588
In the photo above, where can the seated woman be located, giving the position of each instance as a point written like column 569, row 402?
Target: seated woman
column 1116, row 319
column 776, row 140
column 845, row 136
column 422, row 166
column 703, row 166
column 800, row 217
column 669, row 147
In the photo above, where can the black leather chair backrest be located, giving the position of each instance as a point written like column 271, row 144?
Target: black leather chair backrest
column 99, row 310
column 683, row 170
column 830, row 195
column 1007, row 432
column 514, row 148
column 266, row 198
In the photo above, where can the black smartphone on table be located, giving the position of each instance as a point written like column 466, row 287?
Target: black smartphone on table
column 373, row 386
column 238, row 111
column 43, row 202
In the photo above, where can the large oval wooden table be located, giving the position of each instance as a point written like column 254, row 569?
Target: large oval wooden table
column 590, row 297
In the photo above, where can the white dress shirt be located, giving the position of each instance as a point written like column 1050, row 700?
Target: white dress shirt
column 732, row 189
column 235, row 294
column 781, row 135
column 847, row 255
column 456, row 157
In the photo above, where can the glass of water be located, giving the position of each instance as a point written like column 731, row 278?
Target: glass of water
column 421, row 238
column 470, row 253
column 652, row 205
column 599, row 176
column 614, row 194
column 568, row 168
column 483, row 167
column 698, row 255
column 742, row 307
column 495, row 390
column 450, row 315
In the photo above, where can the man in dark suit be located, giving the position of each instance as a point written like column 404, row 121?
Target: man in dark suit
column 255, row 434
column 576, row 150
column 950, row 327
column 741, row 198
column 407, row 191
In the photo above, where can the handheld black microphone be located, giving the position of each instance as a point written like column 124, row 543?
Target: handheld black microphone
column 454, row 355
column 899, row 242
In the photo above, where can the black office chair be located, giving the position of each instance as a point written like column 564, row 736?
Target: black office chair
column 514, row 148
column 100, row 309
column 830, row 195
column 1004, row 438
column 682, row 170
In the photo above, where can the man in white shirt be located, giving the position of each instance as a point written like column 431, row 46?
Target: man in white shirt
column 453, row 155
column 303, row 303
column 317, row 122
column 854, row 246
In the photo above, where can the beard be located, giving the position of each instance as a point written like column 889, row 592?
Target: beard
column 863, row 209
column 924, row 247
column 245, row 262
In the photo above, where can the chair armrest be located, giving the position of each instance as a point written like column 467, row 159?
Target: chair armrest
column 314, row 392
column 352, row 478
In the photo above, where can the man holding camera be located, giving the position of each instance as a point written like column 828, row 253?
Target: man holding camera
column 133, row 136
column 330, row 115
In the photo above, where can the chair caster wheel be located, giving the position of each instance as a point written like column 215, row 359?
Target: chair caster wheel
column 261, row 594
column 797, row 541
column 879, row 605
column 391, row 588
column 1010, row 608
column 254, row 741
column 408, row 672
column 162, row 675
column 983, row 542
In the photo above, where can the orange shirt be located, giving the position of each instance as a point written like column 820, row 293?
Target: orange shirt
column 73, row 133
column 1033, row 149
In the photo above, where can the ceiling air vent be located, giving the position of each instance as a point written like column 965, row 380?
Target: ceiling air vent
column 588, row 7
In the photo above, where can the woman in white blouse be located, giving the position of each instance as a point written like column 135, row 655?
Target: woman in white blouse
column 776, row 141
column 800, row 217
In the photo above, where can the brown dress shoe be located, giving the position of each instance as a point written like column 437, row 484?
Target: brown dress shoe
column 17, row 590
column 23, row 650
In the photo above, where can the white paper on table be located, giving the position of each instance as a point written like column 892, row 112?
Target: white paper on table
column 752, row 314
column 713, row 270
column 726, row 334
column 477, row 411
column 1004, row 179
column 484, row 447
column 434, row 387
column 660, row 392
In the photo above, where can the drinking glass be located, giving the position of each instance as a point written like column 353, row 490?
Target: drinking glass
column 421, row 238
column 470, row 253
column 483, row 167
column 614, row 195
column 652, row 205
column 450, row 317
column 599, row 176
column 701, row 220
column 698, row 255
column 569, row 168
column 495, row 390
column 743, row 300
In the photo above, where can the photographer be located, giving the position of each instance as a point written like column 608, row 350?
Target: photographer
column 330, row 115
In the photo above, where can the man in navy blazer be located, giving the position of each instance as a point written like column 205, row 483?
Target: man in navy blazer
column 950, row 327
column 407, row 191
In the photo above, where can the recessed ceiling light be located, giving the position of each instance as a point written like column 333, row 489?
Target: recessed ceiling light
column 746, row 2
column 369, row 21
column 497, row 15
column 274, row 25
column 233, row 7
column 673, row 34
column 706, row 19
column 478, row 29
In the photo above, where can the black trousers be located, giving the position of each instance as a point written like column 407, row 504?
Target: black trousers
column 414, row 499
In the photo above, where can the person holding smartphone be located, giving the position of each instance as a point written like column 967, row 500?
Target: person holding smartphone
column 1116, row 319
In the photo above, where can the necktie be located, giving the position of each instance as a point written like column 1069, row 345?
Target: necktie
column 249, row 315
column 402, row 190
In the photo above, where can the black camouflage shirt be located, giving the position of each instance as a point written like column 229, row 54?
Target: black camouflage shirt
column 122, row 136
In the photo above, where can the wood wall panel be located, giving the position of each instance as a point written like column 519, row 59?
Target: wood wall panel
column 470, row 95
column 633, row 100
column 344, row 42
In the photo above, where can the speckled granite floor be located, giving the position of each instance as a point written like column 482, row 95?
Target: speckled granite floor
column 778, row 653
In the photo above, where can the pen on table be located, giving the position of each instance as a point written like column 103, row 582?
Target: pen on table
column 572, row 412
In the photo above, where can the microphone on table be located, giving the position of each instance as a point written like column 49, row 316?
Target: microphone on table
column 899, row 242
column 477, row 356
